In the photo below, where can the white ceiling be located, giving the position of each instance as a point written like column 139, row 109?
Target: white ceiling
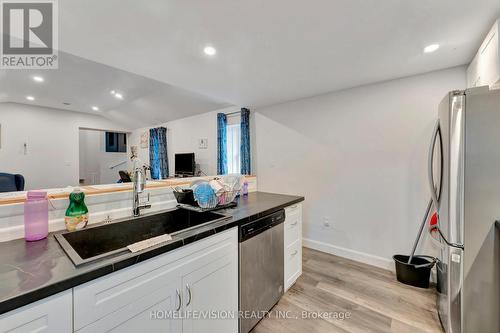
column 83, row 84
column 273, row 51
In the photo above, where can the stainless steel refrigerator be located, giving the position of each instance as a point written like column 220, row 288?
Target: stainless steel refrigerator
column 464, row 176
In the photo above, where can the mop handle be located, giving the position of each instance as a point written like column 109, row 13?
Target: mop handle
column 422, row 225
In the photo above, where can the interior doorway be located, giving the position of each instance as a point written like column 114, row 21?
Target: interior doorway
column 102, row 155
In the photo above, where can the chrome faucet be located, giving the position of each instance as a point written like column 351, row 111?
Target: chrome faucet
column 139, row 185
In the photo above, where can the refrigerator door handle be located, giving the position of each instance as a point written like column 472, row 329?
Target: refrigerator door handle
column 435, row 192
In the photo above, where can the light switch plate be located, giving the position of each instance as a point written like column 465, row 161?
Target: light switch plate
column 203, row 143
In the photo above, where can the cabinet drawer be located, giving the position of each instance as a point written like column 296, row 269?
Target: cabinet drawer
column 293, row 209
column 51, row 314
column 293, row 228
column 293, row 263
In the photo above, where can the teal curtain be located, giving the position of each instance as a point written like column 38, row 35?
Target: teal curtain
column 221, row 144
column 245, row 142
column 158, row 157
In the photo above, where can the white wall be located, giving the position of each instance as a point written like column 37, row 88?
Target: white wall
column 95, row 162
column 359, row 157
column 51, row 135
column 183, row 135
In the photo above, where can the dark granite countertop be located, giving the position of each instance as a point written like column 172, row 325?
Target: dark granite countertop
column 30, row 271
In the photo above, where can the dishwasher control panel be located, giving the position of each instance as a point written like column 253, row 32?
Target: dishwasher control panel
column 253, row 228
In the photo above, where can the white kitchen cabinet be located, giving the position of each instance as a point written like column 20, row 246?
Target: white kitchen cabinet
column 212, row 289
column 51, row 314
column 484, row 70
column 154, row 296
column 293, row 244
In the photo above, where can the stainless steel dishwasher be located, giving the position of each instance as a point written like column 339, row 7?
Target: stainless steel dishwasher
column 261, row 267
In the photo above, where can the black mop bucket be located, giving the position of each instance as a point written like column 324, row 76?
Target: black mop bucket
column 417, row 273
column 415, row 270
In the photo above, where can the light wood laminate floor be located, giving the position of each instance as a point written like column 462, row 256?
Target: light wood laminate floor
column 333, row 286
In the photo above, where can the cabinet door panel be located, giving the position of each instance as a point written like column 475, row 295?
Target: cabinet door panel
column 293, row 263
column 110, row 295
column 154, row 312
column 52, row 314
column 489, row 60
column 212, row 289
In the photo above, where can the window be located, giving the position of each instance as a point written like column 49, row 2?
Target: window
column 233, row 148
column 116, row 142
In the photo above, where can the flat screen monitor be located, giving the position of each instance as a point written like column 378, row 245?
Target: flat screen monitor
column 185, row 164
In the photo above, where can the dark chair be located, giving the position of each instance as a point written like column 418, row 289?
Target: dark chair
column 124, row 177
column 11, row 183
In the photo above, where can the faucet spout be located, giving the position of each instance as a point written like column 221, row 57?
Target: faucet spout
column 138, row 187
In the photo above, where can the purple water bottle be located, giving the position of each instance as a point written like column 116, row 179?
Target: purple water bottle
column 36, row 216
column 245, row 188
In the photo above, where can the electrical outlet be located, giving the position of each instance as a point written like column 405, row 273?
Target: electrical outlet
column 326, row 222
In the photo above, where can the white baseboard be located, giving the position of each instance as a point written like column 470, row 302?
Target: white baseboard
column 349, row 254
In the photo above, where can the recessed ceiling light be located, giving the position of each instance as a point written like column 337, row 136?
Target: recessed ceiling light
column 95, row 108
column 431, row 48
column 209, row 50
column 30, row 98
column 38, row 79
column 117, row 94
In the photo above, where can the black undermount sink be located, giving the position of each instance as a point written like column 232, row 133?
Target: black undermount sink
column 101, row 241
